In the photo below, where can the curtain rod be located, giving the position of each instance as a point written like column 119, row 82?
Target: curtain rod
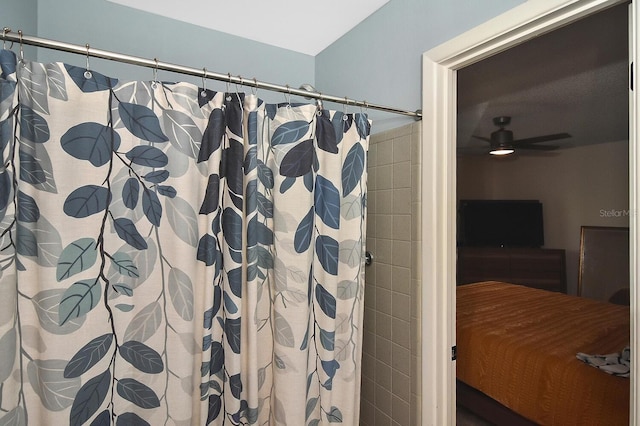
column 19, row 37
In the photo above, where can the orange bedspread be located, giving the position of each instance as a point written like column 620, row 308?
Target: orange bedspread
column 518, row 345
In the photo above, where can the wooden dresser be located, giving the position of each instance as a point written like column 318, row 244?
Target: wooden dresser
column 539, row 268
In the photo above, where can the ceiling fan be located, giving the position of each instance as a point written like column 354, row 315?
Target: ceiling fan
column 502, row 142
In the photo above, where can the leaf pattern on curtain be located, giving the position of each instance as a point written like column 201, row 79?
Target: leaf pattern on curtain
column 170, row 255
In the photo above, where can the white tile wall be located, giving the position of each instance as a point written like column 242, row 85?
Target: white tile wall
column 391, row 352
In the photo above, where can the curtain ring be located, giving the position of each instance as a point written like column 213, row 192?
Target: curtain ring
column 344, row 109
column 5, row 31
column 204, row 83
column 87, row 72
column 154, row 83
column 319, row 106
column 287, row 96
column 21, row 49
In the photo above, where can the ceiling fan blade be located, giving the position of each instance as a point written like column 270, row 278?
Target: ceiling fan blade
column 537, row 147
column 544, row 138
column 481, row 137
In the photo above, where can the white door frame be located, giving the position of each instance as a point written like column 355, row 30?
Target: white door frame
column 440, row 64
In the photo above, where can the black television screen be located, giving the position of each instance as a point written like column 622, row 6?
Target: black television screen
column 501, row 223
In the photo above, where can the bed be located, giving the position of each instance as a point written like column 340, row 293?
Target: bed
column 516, row 356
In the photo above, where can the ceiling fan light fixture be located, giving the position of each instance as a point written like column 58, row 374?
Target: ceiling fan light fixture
column 501, row 151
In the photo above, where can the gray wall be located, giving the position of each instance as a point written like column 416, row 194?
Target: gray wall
column 113, row 27
column 380, row 60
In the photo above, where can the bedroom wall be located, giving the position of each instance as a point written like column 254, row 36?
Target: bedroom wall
column 391, row 376
column 578, row 186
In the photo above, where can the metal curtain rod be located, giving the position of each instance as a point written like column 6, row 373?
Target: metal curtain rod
column 9, row 35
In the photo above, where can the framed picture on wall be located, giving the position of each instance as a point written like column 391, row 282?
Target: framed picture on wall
column 604, row 264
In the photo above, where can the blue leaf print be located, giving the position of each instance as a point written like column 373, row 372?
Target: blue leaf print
column 229, row 304
column 142, row 357
column 96, row 83
column 232, row 327
column 102, row 419
column 89, row 398
column 130, row 419
column 234, row 278
column 91, row 141
column 289, row 132
column 217, row 358
column 211, row 196
column 217, row 300
column 157, row 176
column 252, row 124
column 151, row 207
column 86, row 201
column 327, row 339
column 330, row 367
column 207, row 250
column 235, row 384
column 78, row 256
column 363, row 126
column 233, row 110
column 28, row 210
column 30, row 169
column 250, row 160
column 213, row 134
column 327, row 202
column 130, row 193
column 337, row 122
column 352, row 169
column 215, row 405
column 299, row 159
column 138, row 393
column 326, row 301
column 127, row 231
column 124, row 307
column 7, row 89
column 287, row 183
column 265, row 206
column 251, row 196
column 6, row 132
column 328, row 251
column 326, row 135
column 167, row 191
column 79, row 299
column 265, row 175
column 7, row 63
column 141, row 121
column 5, row 190
column 231, row 166
column 88, row 356
column 308, row 181
column 265, row 235
column 27, row 244
column 304, row 232
column 149, row 156
column 33, row 127
column 334, row 415
column 232, row 228
column 122, row 289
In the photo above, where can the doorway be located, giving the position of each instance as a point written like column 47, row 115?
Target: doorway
column 439, row 159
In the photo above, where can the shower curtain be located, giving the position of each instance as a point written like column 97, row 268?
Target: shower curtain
column 171, row 255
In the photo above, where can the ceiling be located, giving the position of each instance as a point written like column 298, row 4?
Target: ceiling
column 302, row 26
column 573, row 80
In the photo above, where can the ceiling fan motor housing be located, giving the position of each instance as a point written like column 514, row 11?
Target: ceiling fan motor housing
column 502, row 137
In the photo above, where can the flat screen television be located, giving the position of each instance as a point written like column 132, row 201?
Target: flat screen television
column 501, row 223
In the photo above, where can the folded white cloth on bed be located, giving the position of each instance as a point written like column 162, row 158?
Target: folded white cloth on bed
column 617, row 364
